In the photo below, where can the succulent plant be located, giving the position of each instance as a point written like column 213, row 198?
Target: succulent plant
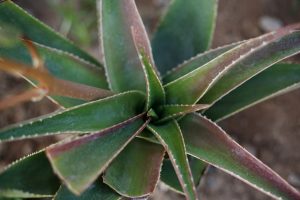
column 137, row 118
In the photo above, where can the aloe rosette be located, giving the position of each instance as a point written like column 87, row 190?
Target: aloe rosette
column 146, row 114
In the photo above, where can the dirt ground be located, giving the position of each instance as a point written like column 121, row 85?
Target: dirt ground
column 270, row 130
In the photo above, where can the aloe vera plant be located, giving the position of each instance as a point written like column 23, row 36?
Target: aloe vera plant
column 145, row 114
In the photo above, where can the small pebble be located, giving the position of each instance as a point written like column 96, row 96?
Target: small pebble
column 294, row 179
column 268, row 24
column 251, row 149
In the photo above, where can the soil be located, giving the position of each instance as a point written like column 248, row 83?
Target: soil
column 270, row 130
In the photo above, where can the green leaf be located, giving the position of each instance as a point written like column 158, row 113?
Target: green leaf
column 196, row 62
column 37, row 31
column 30, row 177
column 97, row 191
column 285, row 43
column 135, row 172
column 233, row 67
column 168, row 112
column 155, row 91
column 118, row 19
column 185, row 31
column 208, row 142
column 171, row 138
column 80, row 161
column 89, row 117
column 274, row 81
column 168, row 174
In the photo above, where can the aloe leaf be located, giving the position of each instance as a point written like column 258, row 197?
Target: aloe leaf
column 89, row 117
column 37, row 31
column 80, row 161
column 96, row 191
column 196, row 62
column 171, row 138
column 155, row 91
column 29, row 177
column 168, row 112
column 274, row 81
column 135, row 172
column 285, row 43
column 208, row 142
column 234, row 66
column 118, row 19
column 185, row 31
column 168, row 174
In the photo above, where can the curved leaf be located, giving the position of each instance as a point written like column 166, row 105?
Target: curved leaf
column 135, row 172
column 208, row 142
column 186, row 30
column 89, row 117
column 171, row 138
column 196, row 62
column 29, row 177
column 80, row 161
column 37, row 31
column 118, row 19
column 96, row 191
column 257, row 61
column 233, row 67
column 274, row 81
